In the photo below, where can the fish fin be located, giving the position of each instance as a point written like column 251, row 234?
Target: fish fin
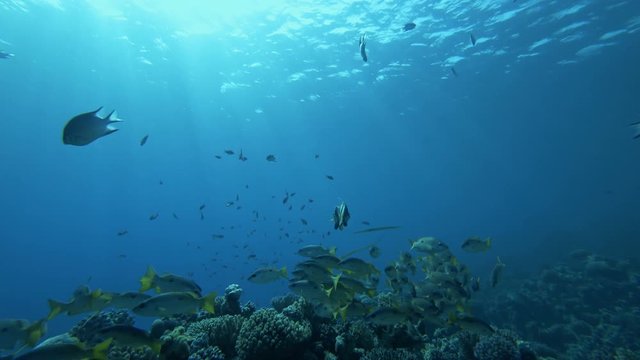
column 36, row 331
column 100, row 350
column 209, row 302
column 147, row 279
column 335, row 281
column 109, row 130
column 55, row 308
column 113, row 117
column 97, row 111
column 283, row 272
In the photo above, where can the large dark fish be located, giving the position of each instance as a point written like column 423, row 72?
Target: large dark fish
column 363, row 51
column 409, row 26
column 85, row 128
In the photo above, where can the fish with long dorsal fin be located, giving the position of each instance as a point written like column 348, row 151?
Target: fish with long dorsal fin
column 85, row 128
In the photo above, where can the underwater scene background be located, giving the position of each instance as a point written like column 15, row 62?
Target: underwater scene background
column 247, row 125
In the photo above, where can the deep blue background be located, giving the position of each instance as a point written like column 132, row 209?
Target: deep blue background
column 533, row 152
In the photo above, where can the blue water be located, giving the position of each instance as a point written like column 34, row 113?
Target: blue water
column 530, row 144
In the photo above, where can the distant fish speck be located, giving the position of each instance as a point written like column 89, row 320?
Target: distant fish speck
column 144, row 140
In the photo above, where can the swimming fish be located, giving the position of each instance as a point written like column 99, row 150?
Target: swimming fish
column 374, row 251
column 496, row 273
column 409, row 26
column 82, row 301
column 379, row 228
column 64, row 351
column 167, row 283
column 271, row 158
column 341, row 216
column 126, row 335
column 475, row 244
column 267, row 275
column 473, row 39
column 362, row 44
column 229, row 152
column 174, row 303
column 144, row 140
column 316, row 250
column 15, row 333
column 85, row 128
column 454, row 72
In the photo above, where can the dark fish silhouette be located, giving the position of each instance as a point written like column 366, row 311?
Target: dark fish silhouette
column 409, row 26
column 144, row 140
column 329, row 177
column 473, row 39
column 85, row 128
column 379, row 228
column 5, row 55
column 271, row 158
column 363, row 51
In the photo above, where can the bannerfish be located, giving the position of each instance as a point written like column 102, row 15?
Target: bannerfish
column 409, row 26
column 85, row 128
column 341, row 216
column 362, row 44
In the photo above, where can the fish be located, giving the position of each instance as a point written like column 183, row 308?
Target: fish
column 316, row 250
column 357, row 267
column 473, row 39
column 428, row 244
column 374, row 252
column 271, row 158
column 67, row 351
column 217, row 156
column 126, row 335
column 316, row 156
column 5, row 55
column 329, row 177
column 228, row 204
column 16, row 333
column 123, row 232
column 636, row 127
column 387, row 316
column 475, row 245
column 471, row 324
column 127, row 300
column 241, row 156
column 454, row 72
column 496, row 273
column 154, row 216
column 286, row 198
column 409, row 26
column 364, row 222
column 362, row 45
column 268, row 275
column 144, row 140
column 328, row 261
column 174, row 303
column 378, row 228
column 85, row 128
column 202, row 206
column 304, row 222
column 309, row 290
column 341, row 216
column 167, row 283
column 229, row 152
column 175, row 216
column 217, row 236
column 82, row 301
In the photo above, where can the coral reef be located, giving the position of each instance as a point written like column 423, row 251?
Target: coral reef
column 268, row 334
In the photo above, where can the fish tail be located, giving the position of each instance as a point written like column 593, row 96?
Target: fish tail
column 208, row 303
column 55, row 308
column 36, row 331
column 100, row 351
column 147, row 279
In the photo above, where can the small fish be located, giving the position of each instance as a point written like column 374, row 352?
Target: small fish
column 67, row 350
column 174, row 303
column 237, row 197
column 144, row 140
column 341, row 216
column 473, row 39
column 304, row 222
column 15, row 333
column 454, row 72
column 217, row 156
column 362, row 45
column 167, row 283
column 153, row 216
column 316, row 156
column 85, row 128
column 364, row 222
column 357, row 267
column 302, row 207
column 175, row 216
column 409, row 26
column 374, row 252
column 202, row 206
column 428, row 244
column 379, row 228
column 329, row 177
column 201, row 215
column 475, row 283
column 271, row 158
column 387, row 317
column 475, row 245
column 286, row 198
column 229, row 152
column 310, row 200
column 122, row 256
column 127, row 335
column 268, row 275
column 123, row 232
column 496, row 273
column 316, row 250
column 241, row 156
column 217, row 236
